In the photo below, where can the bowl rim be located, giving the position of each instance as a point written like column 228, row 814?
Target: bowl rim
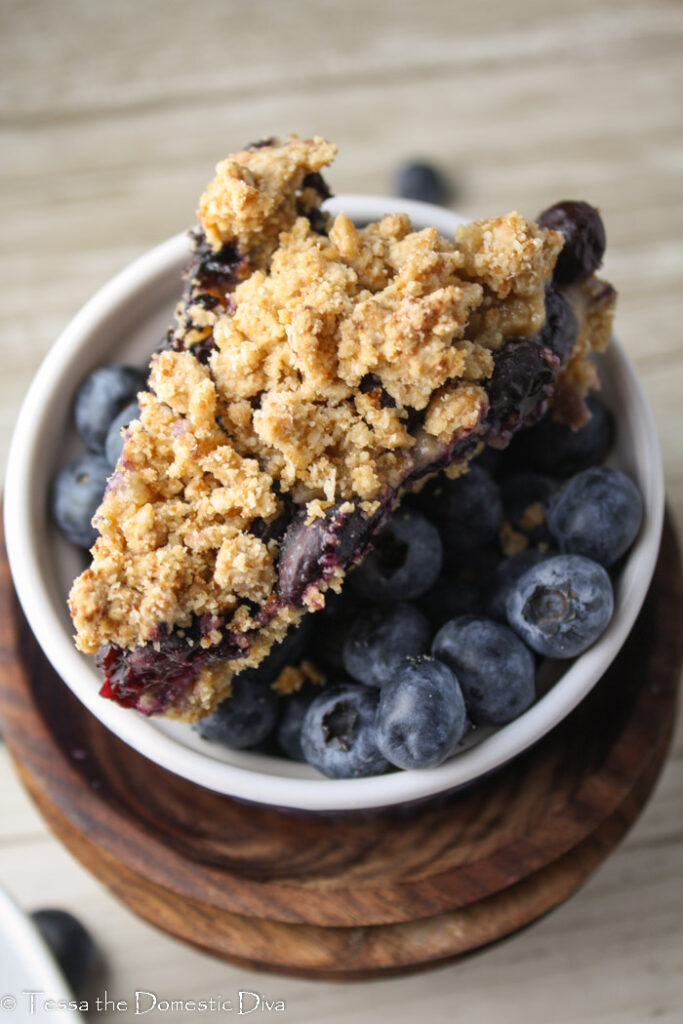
column 261, row 787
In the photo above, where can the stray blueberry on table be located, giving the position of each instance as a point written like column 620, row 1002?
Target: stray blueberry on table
column 584, row 239
column 338, row 732
column 494, row 668
column 101, row 397
column 245, row 718
column 557, row 449
column 561, row 606
column 70, row 943
column 405, row 562
column 379, row 638
column 421, row 716
column 418, row 180
column 597, row 514
column 76, row 493
column 505, row 577
column 113, row 444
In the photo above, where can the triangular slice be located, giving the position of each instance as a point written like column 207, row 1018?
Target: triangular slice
column 316, row 372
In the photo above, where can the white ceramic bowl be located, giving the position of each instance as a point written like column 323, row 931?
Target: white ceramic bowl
column 124, row 322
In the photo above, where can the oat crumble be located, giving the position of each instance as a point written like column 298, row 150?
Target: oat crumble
column 309, row 374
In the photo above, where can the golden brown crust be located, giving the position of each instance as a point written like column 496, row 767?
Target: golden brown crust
column 252, row 197
column 321, row 357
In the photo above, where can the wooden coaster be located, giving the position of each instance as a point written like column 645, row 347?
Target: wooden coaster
column 362, row 895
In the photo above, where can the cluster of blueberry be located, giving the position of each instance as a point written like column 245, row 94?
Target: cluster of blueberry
column 104, row 404
column 436, row 631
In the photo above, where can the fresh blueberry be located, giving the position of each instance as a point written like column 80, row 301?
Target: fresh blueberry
column 245, row 718
column 289, row 728
column 70, row 943
column 113, row 444
column 504, row 579
column 494, row 668
column 561, row 606
column 338, row 732
column 468, row 511
column 405, row 562
column 76, row 493
column 597, row 514
column 557, row 449
column 584, row 239
column 416, row 180
column 421, row 716
column 379, row 639
column 525, row 500
column 450, row 596
column 101, row 397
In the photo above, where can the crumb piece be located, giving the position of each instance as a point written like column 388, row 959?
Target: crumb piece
column 512, row 541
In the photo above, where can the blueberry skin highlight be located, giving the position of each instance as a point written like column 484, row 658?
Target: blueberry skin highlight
column 421, row 716
column 598, row 513
column 405, row 562
column 495, row 669
column 560, row 607
column 338, row 733
column 101, row 397
column 380, row 638
column 75, row 496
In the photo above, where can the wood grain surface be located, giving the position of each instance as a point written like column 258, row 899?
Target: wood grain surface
column 111, row 118
column 351, row 896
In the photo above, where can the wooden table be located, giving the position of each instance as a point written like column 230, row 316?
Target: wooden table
column 113, row 116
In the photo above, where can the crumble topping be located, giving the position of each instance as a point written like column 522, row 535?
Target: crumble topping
column 338, row 366
column 253, row 195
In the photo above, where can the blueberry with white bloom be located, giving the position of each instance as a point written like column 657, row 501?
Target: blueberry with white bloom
column 379, row 638
column 597, row 513
column 421, row 716
column 504, row 578
column 101, row 397
column 560, row 607
column 494, row 667
column 338, row 732
column 76, row 493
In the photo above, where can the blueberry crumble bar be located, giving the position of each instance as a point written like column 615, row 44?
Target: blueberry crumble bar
column 316, row 373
